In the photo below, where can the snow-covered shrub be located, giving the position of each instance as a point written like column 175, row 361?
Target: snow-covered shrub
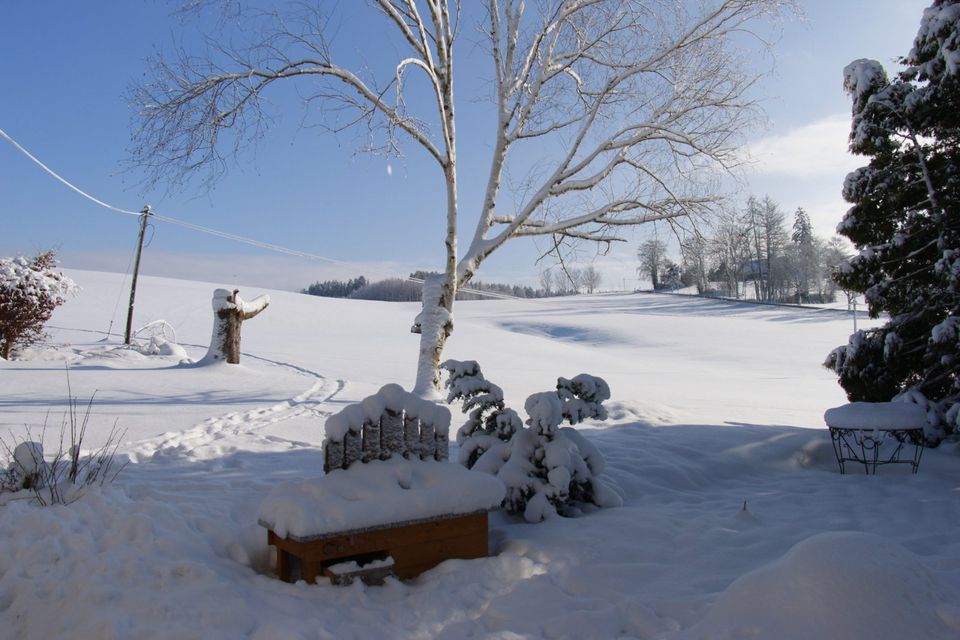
column 30, row 289
column 489, row 421
column 548, row 470
column 27, row 469
column 58, row 479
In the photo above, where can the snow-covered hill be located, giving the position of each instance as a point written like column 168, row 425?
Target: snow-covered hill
column 735, row 520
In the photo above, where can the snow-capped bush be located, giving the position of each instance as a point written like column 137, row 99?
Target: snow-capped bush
column 27, row 468
column 489, row 421
column 60, row 478
column 29, row 292
column 548, row 470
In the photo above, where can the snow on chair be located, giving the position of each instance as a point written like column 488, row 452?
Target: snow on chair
column 389, row 502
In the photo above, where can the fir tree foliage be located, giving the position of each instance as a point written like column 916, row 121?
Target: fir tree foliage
column 548, row 469
column 905, row 225
column 489, row 421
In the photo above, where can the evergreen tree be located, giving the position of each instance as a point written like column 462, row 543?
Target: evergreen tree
column 547, row 469
column 905, row 224
column 806, row 272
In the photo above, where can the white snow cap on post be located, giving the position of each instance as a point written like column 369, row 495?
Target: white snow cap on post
column 222, row 300
column 391, row 397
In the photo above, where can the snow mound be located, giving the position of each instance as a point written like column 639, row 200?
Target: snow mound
column 835, row 585
column 377, row 493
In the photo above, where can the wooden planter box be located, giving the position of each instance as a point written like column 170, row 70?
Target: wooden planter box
column 415, row 546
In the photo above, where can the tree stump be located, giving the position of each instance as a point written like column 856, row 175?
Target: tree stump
column 229, row 312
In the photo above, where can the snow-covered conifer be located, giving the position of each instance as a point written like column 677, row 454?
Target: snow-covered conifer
column 489, row 421
column 905, row 222
column 548, row 470
column 30, row 289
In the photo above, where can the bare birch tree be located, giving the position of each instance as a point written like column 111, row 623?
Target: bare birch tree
column 635, row 104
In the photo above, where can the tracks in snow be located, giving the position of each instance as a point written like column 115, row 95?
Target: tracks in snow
column 243, row 430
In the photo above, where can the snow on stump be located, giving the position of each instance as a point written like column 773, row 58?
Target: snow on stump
column 389, row 503
column 877, row 433
column 229, row 312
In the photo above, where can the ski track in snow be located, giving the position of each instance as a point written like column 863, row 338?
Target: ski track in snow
column 241, row 429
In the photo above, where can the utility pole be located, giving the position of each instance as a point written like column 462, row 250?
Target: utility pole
column 144, row 214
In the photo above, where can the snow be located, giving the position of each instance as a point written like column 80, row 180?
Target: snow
column 377, row 493
column 35, row 285
column 825, row 573
column 352, row 566
column 391, row 397
column 876, row 415
column 714, row 406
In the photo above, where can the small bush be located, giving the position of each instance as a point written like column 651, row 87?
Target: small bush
column 29, row 292
column 60, row 479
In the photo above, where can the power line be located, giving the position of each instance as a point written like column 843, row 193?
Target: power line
column 214, row 232
column 183, row 223
column 63, row 180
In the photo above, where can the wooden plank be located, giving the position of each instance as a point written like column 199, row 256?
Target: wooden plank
column 283, row 565
column 414, row 559
column 442, row 447
column 414, row 548
column 411, row 437
column 352, row 448
column 371, row 440
column 391, row 434
column 428, row 441
column 383, row 539
column 332, row 455
column 389, row 525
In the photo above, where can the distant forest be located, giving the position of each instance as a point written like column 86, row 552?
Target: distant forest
column 403, row 290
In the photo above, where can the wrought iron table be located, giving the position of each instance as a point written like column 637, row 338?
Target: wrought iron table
column 873, row 447
column 876, row 434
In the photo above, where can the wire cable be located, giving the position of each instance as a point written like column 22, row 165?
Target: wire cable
column 183, row 223
column 64, row 181
column 210, row 231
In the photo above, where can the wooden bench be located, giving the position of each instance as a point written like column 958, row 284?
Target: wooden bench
column 414, row 547
column 876, row 434
column 389, row 502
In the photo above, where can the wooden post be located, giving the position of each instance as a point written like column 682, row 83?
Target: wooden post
column 136, row 271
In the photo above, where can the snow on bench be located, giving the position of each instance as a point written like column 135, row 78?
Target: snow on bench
column 377, row 494
column 388, row 491
column 875, row 433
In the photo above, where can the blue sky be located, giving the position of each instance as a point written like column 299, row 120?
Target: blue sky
column 67, row 65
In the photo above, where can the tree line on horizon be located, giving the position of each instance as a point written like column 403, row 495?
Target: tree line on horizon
column 750, row 253
column 411, row 290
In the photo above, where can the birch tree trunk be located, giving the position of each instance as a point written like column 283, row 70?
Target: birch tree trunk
column 434, row 324
column 229, row 312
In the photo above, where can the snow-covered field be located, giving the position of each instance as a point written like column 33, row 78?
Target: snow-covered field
column 735, row 521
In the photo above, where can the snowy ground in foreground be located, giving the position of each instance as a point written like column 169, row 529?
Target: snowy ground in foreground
column 714, row 405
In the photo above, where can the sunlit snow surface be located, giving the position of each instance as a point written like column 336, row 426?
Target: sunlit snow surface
column 735, row 521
